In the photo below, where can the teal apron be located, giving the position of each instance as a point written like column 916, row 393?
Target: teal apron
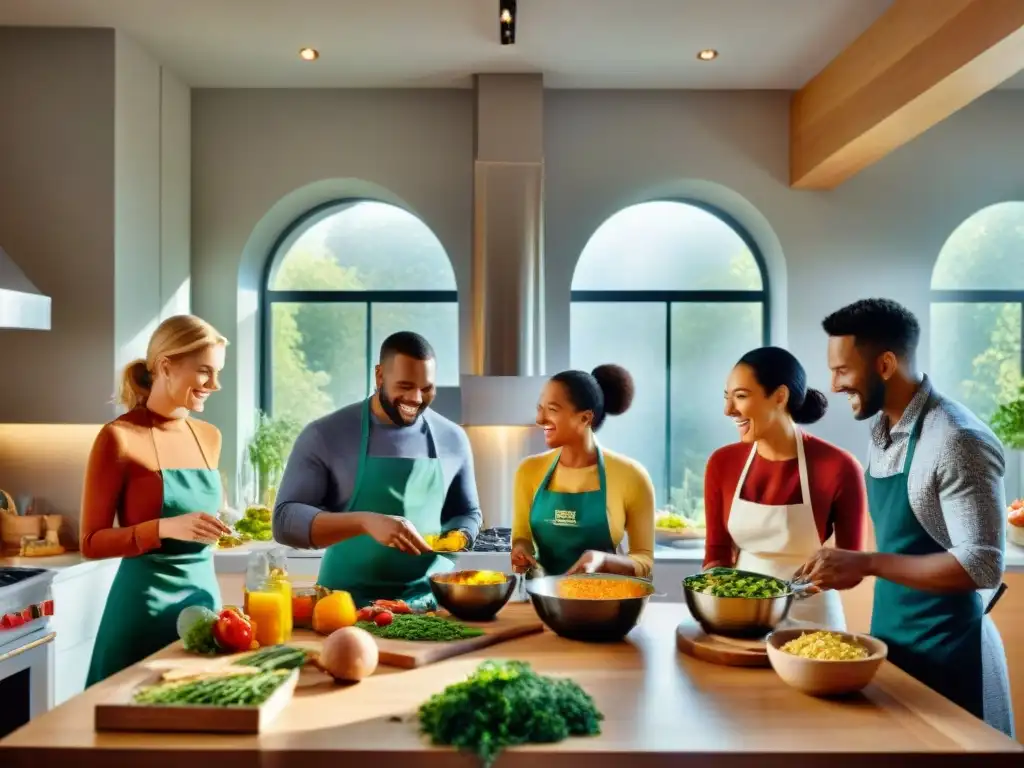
column 565, row 525
column 409, row 488
column 935, row 638
column 150, row 590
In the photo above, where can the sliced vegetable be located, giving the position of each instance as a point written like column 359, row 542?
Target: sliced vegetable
column 421, row 628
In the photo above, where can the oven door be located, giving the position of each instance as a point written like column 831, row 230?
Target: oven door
column 26, row 679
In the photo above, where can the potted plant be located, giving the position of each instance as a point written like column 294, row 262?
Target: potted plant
column 268, row 451
column 1008, row 424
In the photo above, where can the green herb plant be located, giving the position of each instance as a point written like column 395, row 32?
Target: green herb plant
column 504, row 704
column 1008, row 422
column 269, row 448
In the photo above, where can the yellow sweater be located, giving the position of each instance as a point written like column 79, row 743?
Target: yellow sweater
column 629, row 492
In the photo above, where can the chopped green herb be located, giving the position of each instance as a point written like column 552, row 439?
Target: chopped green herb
column 503, row 704
column 421, row 628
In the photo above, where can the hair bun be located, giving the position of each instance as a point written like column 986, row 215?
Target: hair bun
column 813, row 407
column 616, row 386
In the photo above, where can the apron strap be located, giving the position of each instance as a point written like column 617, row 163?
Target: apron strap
column 364, row 448
column 602, row 477
column 801, row 460
column 156, row 449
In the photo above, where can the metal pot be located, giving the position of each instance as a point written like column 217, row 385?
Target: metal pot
column 742, row 616
column 592, row 621
column 471, row 602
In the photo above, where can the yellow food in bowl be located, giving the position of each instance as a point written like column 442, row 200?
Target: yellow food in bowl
column 474, row 578
column 600, row 589
column 825, row 646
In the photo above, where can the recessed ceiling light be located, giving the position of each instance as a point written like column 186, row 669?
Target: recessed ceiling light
column 309, row 54
column 707, row 54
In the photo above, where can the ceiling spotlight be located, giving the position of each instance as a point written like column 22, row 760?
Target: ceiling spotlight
column 309, row 54
column 707, row 54
column 507, row 21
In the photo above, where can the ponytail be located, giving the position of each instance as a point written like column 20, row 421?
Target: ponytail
column 136, row 384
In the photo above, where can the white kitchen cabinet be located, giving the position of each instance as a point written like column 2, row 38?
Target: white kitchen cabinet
column 79, row 596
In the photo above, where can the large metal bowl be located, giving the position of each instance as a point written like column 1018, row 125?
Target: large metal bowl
column 594, row 621
column 738, row 616
column 471, row 602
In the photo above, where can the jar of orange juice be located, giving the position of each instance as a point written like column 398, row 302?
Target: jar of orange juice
column 270, row 608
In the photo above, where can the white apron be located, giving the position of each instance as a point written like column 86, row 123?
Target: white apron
column 777, row 539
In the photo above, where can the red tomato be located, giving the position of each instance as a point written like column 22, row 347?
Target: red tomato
column 365, row 614
column 384, row 618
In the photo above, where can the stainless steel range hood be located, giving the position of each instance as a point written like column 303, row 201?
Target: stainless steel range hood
column 508, row 253
column 22, row 305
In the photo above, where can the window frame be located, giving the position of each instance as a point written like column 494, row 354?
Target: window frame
column 983, row 296
column 268, row 296
column 668, row 298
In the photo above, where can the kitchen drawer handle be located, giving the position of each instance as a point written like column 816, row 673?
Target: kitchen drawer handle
column 25, row 648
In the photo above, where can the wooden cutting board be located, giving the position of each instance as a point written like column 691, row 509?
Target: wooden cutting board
column 691, row 639
column 513, row 621
column 119, row 713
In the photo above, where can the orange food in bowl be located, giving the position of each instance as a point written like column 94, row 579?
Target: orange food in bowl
column 600, row 589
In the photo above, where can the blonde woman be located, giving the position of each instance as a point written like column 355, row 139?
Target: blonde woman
column 154, row 471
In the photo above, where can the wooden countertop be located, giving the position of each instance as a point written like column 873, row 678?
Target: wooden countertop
column 662, row 708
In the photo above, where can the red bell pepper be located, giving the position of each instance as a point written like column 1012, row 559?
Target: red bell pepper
column 233, row 631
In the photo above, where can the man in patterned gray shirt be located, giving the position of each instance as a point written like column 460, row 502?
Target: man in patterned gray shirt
column 935, row 494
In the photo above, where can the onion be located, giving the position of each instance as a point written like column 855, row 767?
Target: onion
column 349, row 654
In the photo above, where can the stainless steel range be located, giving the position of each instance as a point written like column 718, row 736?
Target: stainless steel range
column 26, row 645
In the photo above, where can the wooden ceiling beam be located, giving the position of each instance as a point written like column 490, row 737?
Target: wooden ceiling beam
column 920, row 62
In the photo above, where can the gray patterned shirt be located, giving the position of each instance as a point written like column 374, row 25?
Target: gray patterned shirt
column 955, row 484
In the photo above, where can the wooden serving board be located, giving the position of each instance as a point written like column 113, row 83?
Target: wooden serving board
column 507, row 625
column 119, row 713
column 691, row 639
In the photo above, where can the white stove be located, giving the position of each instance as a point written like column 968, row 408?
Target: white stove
column 26, row 645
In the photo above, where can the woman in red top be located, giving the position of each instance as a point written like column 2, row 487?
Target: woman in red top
column 775, row 497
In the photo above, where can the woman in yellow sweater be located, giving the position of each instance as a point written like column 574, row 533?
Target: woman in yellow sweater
column 574, row 503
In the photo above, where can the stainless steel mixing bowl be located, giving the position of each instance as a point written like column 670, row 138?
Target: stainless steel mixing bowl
column 592, row 621
column 740, row 616
column 471, row 602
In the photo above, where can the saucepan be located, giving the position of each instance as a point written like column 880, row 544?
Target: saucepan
column 752, row 606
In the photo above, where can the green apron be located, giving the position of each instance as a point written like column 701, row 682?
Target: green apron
column 935, row 638
column 409, row 488
column 565, row 525
column 150, row 590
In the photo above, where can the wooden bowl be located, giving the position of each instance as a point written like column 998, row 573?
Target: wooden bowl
column 817, row 677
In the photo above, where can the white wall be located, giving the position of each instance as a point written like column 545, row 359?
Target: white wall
column 56, row 219
column 262, row 157
column 95, row 200
column 152, row 198
column 878, row 234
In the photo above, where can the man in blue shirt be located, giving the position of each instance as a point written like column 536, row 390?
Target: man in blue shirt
column 369, row 480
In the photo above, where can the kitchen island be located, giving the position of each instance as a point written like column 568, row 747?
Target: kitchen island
column 662, row 708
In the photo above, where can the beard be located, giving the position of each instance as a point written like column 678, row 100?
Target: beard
column 873, row 399
column 391, row 409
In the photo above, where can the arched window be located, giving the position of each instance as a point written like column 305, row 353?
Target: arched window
column 977, row 308
column 676, row 292
column 340, row 280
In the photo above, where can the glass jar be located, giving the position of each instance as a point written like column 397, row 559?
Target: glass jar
column 303, row 602
column 278, row 561
column 270, row 609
